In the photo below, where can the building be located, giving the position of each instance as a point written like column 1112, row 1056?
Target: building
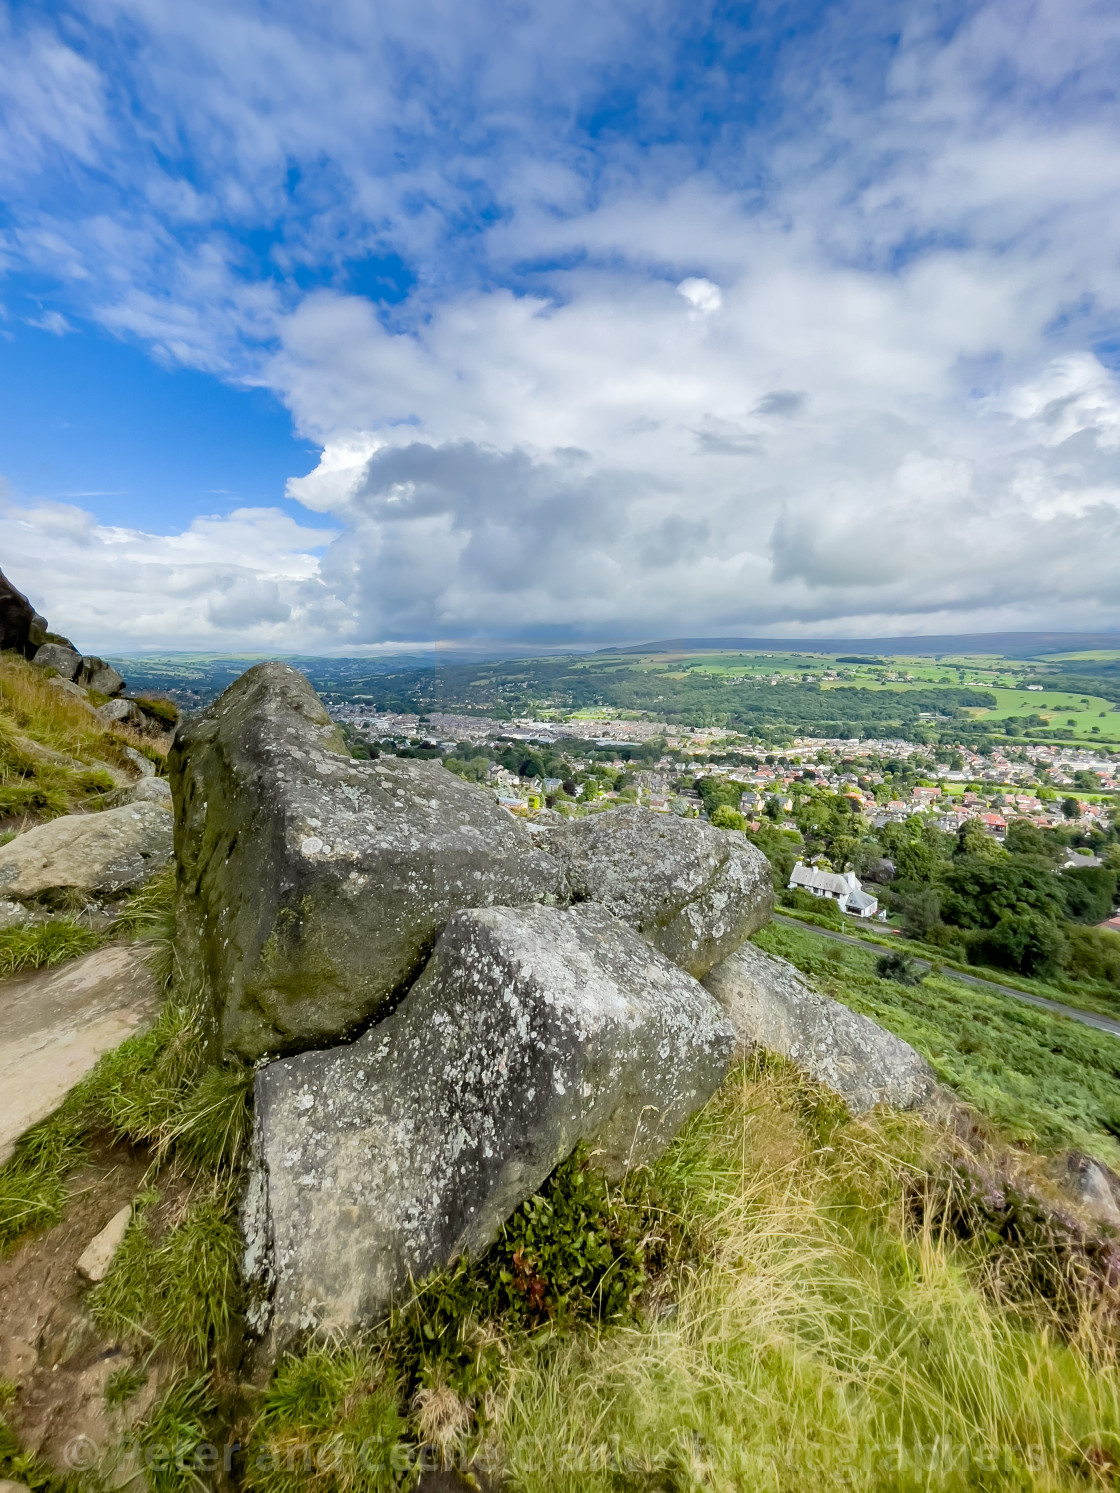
column 841, row 887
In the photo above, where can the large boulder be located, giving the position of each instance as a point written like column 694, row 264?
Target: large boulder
column 695, row 892
column 65, row 661
column 17, row 617
column 95, row 674
column 771, row 1006
column 530, row 1030
column 314, row 886
column 95, row 855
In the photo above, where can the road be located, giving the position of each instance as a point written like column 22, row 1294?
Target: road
column 1086, row 1018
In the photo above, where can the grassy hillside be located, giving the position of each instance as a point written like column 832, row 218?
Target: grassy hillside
column 1047, row 1081
column 56, row 755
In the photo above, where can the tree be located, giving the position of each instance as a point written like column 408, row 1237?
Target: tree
column 1089, row 892
column 1071, row 809
column 979, row 891
column 1025, row 838
column 1026, row 941
column 725, row 817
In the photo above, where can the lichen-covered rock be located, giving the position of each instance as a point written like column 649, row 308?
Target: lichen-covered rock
column 530, row 1030
column 121, row 713
column 314, row 886
column 770, row 1005
column 66, row 661
column 695, row 892
column 97, row 855
column 102, row 678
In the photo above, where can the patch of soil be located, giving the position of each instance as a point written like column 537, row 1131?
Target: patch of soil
column 50, row 1347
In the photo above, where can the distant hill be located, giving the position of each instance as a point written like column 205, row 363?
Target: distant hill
column 1006, row 644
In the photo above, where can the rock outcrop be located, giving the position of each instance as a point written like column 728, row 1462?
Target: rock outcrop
column 94, row 855
column 314, row 886
column 18, row 619
column 530, row 1030
column 770, row 1005
column 61, row 657
column 694, row 891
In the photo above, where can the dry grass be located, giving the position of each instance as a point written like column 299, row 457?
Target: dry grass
column 817, row 1337
column 55, row 754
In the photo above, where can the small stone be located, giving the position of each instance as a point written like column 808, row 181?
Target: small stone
column 7, row 1486
column 98, row 1253
column 121, row 712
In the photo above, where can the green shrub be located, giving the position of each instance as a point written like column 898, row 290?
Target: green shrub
column 1093, row 954
column 900, row 967
column 725, row 817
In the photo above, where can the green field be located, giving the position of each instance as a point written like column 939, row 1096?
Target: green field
column 1099, row 719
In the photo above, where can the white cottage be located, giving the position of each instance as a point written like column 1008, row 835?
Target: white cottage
column 842, row 887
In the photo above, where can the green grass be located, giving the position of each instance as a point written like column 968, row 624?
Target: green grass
column 38, row 945
column 806, row 1323
column 54, row 753
column 1043, row 1079
column 176, row 1289
column 155, row 1089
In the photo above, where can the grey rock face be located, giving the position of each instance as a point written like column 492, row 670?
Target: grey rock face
column 125, row 712
column 17, row 617
column 95, row 854
column 68, row 661
column 314, row 886
column 97, row 675
column 693, row 891
column 771, row 1006
column 530, row 1029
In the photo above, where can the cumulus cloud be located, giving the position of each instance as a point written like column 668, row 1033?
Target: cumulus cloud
column 844, row 363
column 248, row 580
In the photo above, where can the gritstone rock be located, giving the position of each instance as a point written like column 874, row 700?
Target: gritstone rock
column 102, row 678
column 95, row 854
column 771, row 1006
column 314, row 886
column 67, row 661
column 17, row 616
column 530, row 1030
column 695, row 892
column 97, row 1256
column 125, row 712
column 56, row 1023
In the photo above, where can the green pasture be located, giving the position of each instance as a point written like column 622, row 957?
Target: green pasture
column 1058, row 708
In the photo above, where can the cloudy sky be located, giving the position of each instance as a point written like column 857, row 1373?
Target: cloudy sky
column 361, row 323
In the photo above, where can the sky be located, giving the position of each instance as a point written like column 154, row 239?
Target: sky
column 357, row 325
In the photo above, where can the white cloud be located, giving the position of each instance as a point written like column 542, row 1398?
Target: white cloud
column 250, row 580
column 831, row 368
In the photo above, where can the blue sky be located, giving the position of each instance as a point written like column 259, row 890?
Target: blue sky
column 358, row 324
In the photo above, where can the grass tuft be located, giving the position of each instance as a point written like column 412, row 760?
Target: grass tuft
column 40, row 945
column 177, row 1291
column 330, row 1420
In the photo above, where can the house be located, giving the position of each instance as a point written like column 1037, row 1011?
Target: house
column 1076, row 859
column 843, row 888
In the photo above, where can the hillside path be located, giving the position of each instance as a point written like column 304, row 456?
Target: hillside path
column 1086, row 1018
